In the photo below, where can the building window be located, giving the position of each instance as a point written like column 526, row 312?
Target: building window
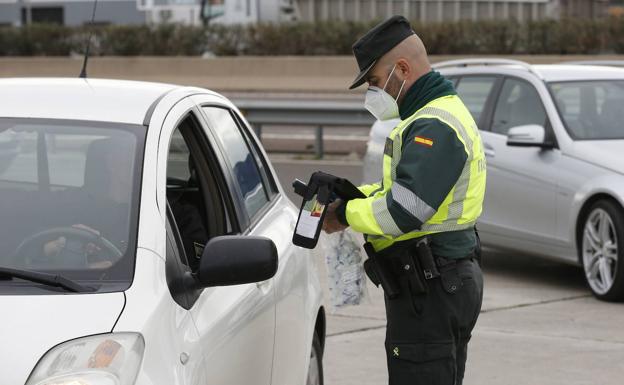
column 48, row 15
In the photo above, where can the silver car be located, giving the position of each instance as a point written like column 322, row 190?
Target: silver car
column 553, row 136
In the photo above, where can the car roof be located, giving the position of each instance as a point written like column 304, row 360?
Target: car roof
column 103, row 100
column 567, row 72
column 548, row 72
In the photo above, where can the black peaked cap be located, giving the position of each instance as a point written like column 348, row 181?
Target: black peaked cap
column 377, row 42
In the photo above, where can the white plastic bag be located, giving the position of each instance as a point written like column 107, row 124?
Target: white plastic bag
column 345, row 269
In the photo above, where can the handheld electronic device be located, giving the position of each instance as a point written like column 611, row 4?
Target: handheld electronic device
column 321, row 190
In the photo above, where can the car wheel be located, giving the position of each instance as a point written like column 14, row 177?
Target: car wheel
column 315, row 370
column 602, row 250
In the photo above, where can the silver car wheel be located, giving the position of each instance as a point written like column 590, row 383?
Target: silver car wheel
column 314, row 375
column 600, row 251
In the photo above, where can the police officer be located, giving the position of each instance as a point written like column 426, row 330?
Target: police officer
column 429, row 200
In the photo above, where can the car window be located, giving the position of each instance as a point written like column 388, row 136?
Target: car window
column 185, row 199
column 240, row 159
column 474, row 92
column 518, row 104
column 25, row 169
column 591, row 109
column 269, row 178
column 193, row 193
column 69, row 197
column 178, row 159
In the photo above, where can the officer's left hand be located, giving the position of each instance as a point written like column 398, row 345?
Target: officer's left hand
column 331, row 224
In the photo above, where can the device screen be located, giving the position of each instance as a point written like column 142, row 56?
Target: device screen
column 310, row 218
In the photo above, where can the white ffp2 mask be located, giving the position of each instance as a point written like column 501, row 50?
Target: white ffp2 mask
column 380, row 103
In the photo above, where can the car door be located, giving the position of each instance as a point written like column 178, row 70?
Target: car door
column 520, row 202
column 235, row 324
column 269, row 214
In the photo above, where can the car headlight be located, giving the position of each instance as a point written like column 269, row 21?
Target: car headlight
column 106, row 359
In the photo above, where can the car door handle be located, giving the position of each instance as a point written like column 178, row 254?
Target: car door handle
column 489, row 151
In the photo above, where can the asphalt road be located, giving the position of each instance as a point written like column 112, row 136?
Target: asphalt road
column 539, row 324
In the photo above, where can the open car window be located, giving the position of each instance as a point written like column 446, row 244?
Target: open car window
column 196, row 194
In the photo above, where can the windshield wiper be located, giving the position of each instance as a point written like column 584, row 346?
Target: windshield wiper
column 54, row 280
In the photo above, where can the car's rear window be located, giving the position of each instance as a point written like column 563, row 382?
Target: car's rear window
column 69, row 199
column 591, row 110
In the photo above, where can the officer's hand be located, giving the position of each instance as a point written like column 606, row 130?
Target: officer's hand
column 331, row 224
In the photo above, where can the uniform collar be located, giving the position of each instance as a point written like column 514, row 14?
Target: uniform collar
column 427, row 88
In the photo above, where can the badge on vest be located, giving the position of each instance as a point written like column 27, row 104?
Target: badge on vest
column 424, row 141
column 388, row 147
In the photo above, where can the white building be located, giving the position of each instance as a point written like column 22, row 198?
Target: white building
column 78, row 12
column 194, row 12
column 219, row 11
column 442, row 10
column 69, row 12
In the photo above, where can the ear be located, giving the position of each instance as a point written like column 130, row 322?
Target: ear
column 403, row 69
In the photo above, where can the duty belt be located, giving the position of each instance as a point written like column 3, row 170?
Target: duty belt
column 416, row 262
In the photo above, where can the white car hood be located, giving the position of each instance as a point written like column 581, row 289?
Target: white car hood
column 604, row 153
column 31, row 325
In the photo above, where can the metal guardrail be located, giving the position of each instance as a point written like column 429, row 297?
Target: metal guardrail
column 316, row 113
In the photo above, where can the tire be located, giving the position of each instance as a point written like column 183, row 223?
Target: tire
column 601, row 250
column 315, row 368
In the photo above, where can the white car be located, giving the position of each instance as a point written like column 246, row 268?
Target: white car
column 373, row 159
column 146, row 240
column 553, row 138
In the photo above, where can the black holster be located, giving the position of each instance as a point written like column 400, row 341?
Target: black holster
column 412, row 259
column 417, row 263
column 379, row 271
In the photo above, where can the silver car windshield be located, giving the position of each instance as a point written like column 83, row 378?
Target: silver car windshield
column 591, row 110
column 69, row 199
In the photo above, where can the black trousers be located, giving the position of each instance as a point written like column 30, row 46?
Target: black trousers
column 427, row 334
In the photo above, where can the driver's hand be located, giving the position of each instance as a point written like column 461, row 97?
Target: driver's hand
column 54, row 248
column 91, row 249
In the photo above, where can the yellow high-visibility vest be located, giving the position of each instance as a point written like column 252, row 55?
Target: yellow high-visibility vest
column 461, row 207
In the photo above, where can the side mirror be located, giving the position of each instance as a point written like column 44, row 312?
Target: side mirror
column 530, row 135
column 235, row 260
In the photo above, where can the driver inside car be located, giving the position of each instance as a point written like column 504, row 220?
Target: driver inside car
column 100, row 207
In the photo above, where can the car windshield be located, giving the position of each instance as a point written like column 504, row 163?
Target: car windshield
column 591, row 110
column 69, row 200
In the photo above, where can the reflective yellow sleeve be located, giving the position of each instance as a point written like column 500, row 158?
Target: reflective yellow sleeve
column 368, row 189
column 360, row 216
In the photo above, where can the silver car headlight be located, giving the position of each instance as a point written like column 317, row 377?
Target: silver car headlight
column 106, row 359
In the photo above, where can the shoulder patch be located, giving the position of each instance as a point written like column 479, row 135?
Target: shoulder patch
column 424, row 141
